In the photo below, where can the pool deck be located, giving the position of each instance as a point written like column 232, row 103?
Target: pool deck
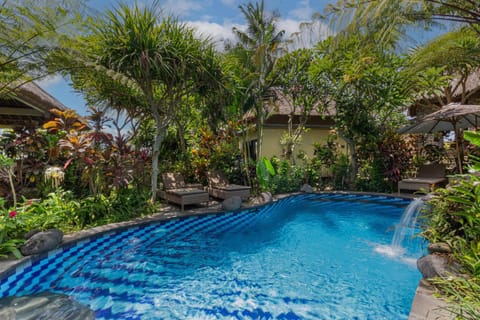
column 424, row 307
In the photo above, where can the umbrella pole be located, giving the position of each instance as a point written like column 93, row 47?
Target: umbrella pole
column 457, row 146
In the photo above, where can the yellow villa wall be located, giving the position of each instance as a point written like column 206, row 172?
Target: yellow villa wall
column 272, row 147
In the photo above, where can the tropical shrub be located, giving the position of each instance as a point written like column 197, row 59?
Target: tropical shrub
column 396, row 154
column 454, row 218
column 370, row 175
column 329, row 168
column 10, row 225
column 383, row 163
column 62, row 210
column 279, row 176
column 56, row 210
column 289, row 178
column 216, row 151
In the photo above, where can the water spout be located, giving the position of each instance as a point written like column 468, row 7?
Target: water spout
column 405, row 228
column 407, row 225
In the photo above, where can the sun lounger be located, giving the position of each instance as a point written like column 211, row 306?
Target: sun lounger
column 219, row 187
column 428, row 178
column 178, row 192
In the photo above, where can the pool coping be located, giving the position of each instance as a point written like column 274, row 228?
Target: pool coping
column 424, row 307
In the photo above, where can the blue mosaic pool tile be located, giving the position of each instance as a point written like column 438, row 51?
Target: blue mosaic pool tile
column 125, row 276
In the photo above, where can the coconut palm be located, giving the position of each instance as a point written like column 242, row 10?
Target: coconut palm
column 262, row 41
column 393, row 17
column 442, row 70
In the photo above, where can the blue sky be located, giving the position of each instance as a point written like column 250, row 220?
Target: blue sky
column 214, row 18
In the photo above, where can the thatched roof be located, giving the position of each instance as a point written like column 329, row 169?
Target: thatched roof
column 281, row 107
column 27, row 106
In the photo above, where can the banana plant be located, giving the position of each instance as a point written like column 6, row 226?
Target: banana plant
column 265, row 173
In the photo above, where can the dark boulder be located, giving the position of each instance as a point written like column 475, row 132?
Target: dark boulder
column 42, row 242
column 436, row 265
column 306, row 188
column 265, row 197
column 232, row 203
column 439, row 247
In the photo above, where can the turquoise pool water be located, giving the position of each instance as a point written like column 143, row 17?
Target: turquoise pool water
column 305, row 257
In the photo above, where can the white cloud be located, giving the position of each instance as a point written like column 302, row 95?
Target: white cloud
column 303, row 11
column 217, row 32
column 289, row 25
column 301, row 33
column 50, row 81
column 304, row 34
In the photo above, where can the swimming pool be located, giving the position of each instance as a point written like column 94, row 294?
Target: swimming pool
column 305, row 257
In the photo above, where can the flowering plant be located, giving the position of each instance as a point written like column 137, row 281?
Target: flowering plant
column 10, row 225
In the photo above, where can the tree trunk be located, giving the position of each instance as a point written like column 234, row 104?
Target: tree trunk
column 353, row 158
column 246, row 155
column 12, row 186
column 155, row 158
column 181, row 137
column 260, row 122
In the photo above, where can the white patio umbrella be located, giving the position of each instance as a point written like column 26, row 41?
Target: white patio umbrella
column 451, row 117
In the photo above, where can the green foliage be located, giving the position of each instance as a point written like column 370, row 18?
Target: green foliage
column 257, row 53
column 370, row 176
column 57, row 210
column 454, row 217
column 341, row 171
column 474, row 138
column 462, row 295
column 31, row 32
column 436, row 69
column 288, row 178
column 280, row 176
column 296, row 88
column 265, row 172
column 363, row 80
column 11, row 223
column 62, row 210
column 388, row 21
column 329, row 168
column 159, row 60
column 7, row 165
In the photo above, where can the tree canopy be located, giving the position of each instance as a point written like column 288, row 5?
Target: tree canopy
column 137, row 59
column 31, row 32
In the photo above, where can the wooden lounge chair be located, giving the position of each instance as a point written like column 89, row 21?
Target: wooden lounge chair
column 219, row 187
column 428, row 178
column 177, row 191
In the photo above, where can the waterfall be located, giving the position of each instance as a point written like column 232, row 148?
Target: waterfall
column 406, row 227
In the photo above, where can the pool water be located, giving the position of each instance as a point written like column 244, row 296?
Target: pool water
column 305, row 257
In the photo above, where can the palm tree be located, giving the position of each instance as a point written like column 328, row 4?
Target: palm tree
column 441, row 70
column 156, row 60
column 261, row 40
column 393, row 17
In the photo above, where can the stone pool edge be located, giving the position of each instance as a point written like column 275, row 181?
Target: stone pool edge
column 424, row 307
